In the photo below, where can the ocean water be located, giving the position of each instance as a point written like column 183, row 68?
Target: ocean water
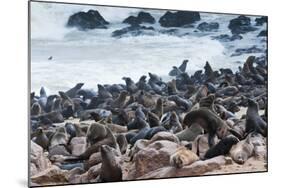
column 94, row 57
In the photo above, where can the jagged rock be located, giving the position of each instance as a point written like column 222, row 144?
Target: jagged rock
column 253, row 49
column 78, row 145
column 263, row 33
column 58, row 150
column 195, row 169
column 133, row 31
column 179, row 18
column 39, row 161
column 152, row 157
column 227, row 38
column 143, row 17
column 241, row 25
column 87, row 20
column 51, row 176
column 261, row 20
column 212, row 26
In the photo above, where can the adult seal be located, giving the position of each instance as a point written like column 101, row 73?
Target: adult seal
column 110, row 168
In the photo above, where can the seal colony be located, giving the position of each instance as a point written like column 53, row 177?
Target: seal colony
column 100, row 136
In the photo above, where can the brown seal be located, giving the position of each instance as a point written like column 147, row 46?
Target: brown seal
column 209, row 121
column 110, row 168
column 183, row 157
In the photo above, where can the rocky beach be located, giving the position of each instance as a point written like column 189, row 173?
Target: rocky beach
column 151, row 112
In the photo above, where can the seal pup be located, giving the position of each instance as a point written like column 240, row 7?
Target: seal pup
column 110, row 168
column 209, row 121
column 254, row 123
column 222, row 148
column 183, row 157
column 242, row 151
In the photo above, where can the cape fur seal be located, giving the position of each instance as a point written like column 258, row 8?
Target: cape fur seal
column 183, row 157
column 222, row 148
column 97, row 136
column 110, row 168
column 209, row 121
column 254, row 123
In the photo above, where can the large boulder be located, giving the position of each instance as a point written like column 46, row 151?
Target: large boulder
column 241, row 25
column 133, row 31
column 38, row 159
column 253, row 49
column 78, row 145
column 152, row 157
column 179, row 18
column 87, row 20
column 212, row 26
column 51, row 176
column 143, row 17
column 261, row 20
column 195, row 169
column 263, row 33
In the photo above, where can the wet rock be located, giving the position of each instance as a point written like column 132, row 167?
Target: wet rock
column 253, row 49
column 195, row 169
column 143, row 17
column 78, row 145
column 227, row 38
column 179, row 18
column 212, row 26
column 241, row 25
column 39, row 161
column 263, row 33
column 133, row 31
column 51, row 176
column 261, row 20
column 87, row 20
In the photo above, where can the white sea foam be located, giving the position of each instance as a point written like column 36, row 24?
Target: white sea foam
column 95, row 57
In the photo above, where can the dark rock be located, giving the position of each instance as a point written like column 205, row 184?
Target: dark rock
column 179, row 18
column 204, row 26
column 253, row 49
column 133, row 31
column 261, row 20
column 87, row 20
column 241, row 25
column 260, row 60
column 227, row 38
column 169, row 31
column 143, row 17
column 132, row 20
column 263, row 33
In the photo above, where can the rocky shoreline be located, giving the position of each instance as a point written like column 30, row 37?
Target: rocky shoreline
column 211, row 122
